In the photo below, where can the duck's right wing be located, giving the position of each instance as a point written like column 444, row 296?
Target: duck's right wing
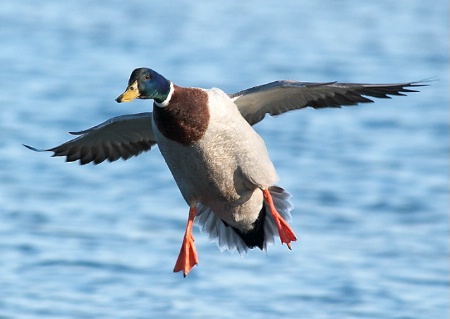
column 283, row 96
column 119, row 137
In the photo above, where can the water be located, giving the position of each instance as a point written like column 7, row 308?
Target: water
column 370, row 183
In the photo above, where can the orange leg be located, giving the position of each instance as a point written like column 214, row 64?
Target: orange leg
column 187, row 258
column 284, row 230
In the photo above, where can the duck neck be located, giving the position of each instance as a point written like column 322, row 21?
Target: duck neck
column 163, row 99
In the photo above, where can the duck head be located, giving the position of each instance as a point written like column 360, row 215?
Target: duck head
column 145, row 84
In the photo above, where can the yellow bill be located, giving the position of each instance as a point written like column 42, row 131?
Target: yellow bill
column 131, row 93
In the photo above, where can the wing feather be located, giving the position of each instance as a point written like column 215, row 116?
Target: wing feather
column 282, row 96
column 119, row 137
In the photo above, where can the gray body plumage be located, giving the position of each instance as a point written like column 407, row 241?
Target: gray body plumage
column 226, row 169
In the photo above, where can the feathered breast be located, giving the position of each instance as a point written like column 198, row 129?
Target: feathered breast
column 186, row 118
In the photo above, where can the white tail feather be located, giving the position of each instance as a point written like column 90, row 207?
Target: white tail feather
column 227, row 239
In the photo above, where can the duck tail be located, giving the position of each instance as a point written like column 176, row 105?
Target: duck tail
column 263, row 233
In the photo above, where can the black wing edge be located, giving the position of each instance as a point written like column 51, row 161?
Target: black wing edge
column 378, row 90
column 125, row 151
column 111, row 153
column 34, row 148
column 279, row 83
column 360, row 93
column 383, row 91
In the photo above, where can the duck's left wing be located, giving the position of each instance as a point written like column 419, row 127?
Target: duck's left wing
column 119, row 137
column 282, row 96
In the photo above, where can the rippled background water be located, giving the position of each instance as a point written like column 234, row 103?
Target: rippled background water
column 370, row 183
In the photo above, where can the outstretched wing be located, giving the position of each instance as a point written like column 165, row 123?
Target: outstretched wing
column 281, row 96
column 119, row 137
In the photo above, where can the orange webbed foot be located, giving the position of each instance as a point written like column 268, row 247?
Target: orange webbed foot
column 284, row 230
column 187, row 258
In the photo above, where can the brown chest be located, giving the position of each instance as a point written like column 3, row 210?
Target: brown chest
column 186, row 117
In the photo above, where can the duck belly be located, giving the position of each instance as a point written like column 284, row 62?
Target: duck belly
column 225, row 170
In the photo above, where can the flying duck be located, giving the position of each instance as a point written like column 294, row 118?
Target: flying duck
column 217, row 159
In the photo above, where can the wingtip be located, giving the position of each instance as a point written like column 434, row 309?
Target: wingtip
column 33, row 148
column 79, row 132
column 421, row 83
column 424, row 82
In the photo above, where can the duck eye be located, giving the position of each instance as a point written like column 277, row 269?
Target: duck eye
column 147, row 77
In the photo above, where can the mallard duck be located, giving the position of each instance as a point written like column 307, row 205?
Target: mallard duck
column 217, row 159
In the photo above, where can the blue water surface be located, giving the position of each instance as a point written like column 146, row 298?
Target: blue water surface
column 369, row 183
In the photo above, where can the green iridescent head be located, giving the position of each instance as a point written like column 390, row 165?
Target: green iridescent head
column 145, row 83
